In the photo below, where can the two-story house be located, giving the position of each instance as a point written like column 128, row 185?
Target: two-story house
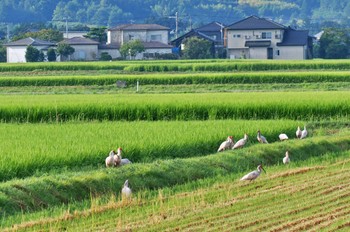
column 153, row 36
column 212, row 32
column 260, row 38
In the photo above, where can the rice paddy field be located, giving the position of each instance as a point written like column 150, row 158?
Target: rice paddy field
column 59, row 121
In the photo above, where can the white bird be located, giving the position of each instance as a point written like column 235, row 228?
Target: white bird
column 110, row 159
column 228, row 144
column 126, row 191
column 124, row 161
column 261, row 138
column 254, row 174
column 118, row 157
column 283, row 137
column 303, row 133
column 240, row 143
column 298, row 132
column 286, row 159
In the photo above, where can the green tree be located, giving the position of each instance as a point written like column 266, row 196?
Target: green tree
column 32, row 54
column 197, row 48
column 65, row 49
column 105, row 56
column 334, row 43
column 98, row 34
column 44, row 34
column 131, row 48
column 51, row 54
column 3, row 55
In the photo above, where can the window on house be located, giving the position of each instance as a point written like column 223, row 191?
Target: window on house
column 156, row 37
column 236, row 36
column 277, row 52
column 131, row 37
column 266, row 35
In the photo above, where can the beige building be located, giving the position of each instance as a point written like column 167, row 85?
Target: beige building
column 259, row 38
column 84, row 49
column 153, row 36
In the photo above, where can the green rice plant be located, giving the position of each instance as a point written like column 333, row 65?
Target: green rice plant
column 27, row 149
column 198, row 106
column 177, row 79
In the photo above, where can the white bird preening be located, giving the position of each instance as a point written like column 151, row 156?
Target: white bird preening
column 261, row 138
column 298, row 132
column 110, row 159
column 126, row 191
column 283, row 137
column 286, row 159
column 228, row 144
column 240, row 143
column 118, row 157
column 303, row 133
column 254, row 174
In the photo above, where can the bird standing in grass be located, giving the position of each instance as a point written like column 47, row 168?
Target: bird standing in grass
column 303, row 133
column 254, row 174
column 110, row 159
column 261, row 138
column 228, row 144
column 126, row 191
column 286, row 159
column 118, row 157
column 240, row 143
column 298, row 132
column 283, row 137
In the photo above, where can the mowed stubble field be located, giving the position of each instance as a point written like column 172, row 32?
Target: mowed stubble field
column 59, row 122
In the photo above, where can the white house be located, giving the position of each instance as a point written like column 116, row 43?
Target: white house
column 16, row 50
column 260, row 38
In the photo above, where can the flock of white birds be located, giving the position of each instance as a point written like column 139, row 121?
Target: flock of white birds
column 230, row 144
column 115, row 159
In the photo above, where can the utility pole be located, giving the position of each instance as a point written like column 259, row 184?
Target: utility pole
column 66, row 28
column 176, row 17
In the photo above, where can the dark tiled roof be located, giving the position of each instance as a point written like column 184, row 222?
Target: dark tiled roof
column 30, row 41
column 213, row 26
column 193, row 32
column 132, row 27
column 156, row 44
column 255, row 23
column 80, row 41
column 293, row 37
column 258, row 43
column 109, row 46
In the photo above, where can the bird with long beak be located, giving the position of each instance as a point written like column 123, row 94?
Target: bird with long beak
column 126, row 191
column 228, row 144
column 298, row 132
column 286, row 159
column 260, row 138
column 240, row 143
column 303, row 133
column 254, row 174
column 118, row 157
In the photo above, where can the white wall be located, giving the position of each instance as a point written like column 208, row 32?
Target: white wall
column 291, row 53
column 113, row 52
column 16, row 54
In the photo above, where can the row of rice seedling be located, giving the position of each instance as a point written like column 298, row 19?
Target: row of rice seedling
column 176, row 79
column 70, row 187
column 170, row 65
column 27, row 149
column 152, row 107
